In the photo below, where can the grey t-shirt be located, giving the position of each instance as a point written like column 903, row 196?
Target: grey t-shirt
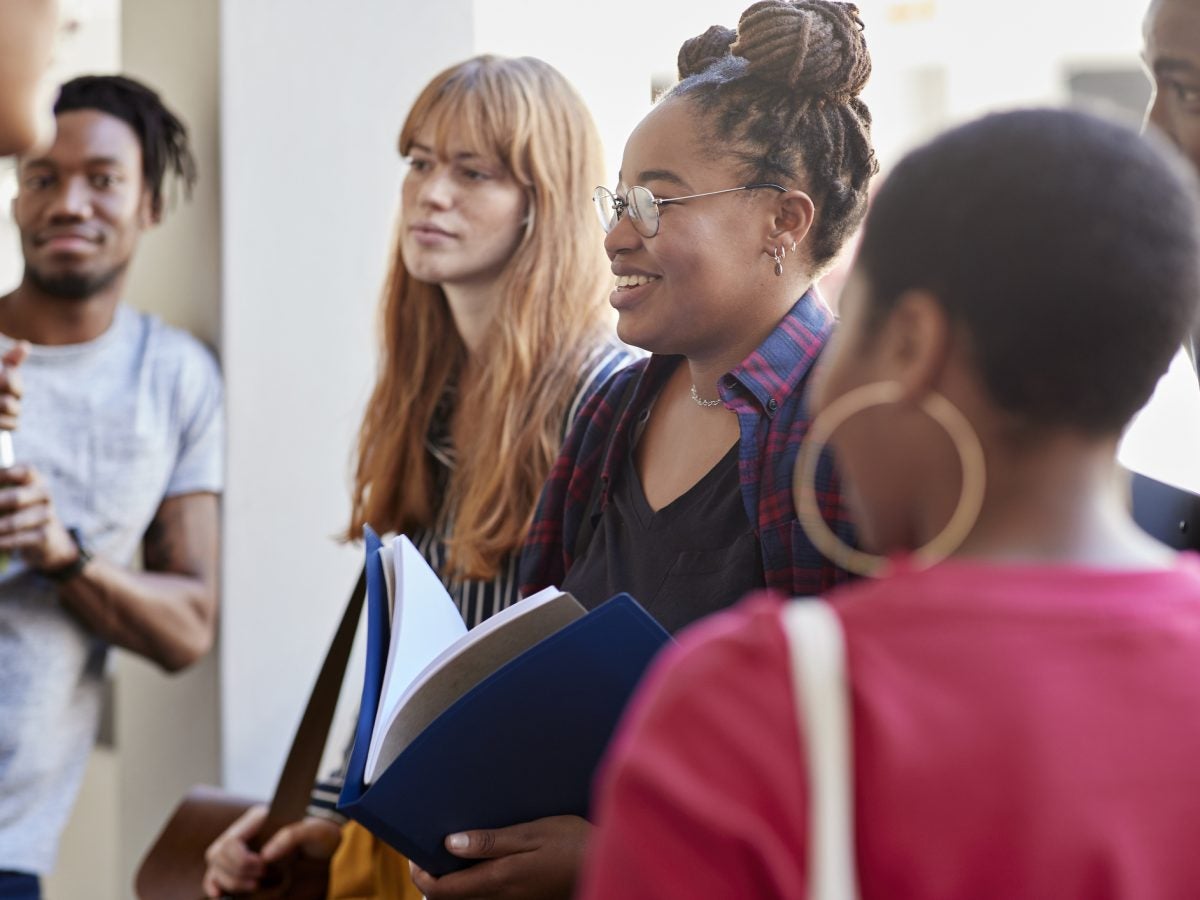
column 114, row 426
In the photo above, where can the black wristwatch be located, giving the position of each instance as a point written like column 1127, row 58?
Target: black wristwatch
column 75, row 566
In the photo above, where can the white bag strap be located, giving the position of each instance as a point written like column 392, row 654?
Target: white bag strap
column 818, row 655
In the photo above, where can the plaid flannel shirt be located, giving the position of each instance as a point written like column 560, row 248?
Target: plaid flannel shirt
column 766, row 391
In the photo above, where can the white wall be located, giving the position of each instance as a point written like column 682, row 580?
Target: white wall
column 990, row 53
column 982, row 54
column 609, row 51
column 176, row 275
column 312, row 97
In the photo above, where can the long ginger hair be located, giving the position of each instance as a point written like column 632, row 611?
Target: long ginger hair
column 550, row 316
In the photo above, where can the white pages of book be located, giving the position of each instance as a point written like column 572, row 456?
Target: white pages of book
column 443, row 662
column 425, row 621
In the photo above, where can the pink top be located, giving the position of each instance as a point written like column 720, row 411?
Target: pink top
column 1027, row 732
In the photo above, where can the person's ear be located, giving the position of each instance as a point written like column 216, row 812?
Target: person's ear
column 794, row 216
column 914, row 342
column 149, row 210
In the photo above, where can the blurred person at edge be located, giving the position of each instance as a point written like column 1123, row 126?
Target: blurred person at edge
column 1171, row 36
column 27, row 29
column 26, row 46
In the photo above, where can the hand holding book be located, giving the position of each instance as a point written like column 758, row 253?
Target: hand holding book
column 501, row 725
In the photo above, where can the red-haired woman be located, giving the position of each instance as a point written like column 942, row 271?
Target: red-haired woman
column 495, row 331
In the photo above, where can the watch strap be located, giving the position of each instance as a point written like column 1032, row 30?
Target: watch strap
column 75, row 566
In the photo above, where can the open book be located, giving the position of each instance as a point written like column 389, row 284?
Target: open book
column 501, row 724
column 432, row 659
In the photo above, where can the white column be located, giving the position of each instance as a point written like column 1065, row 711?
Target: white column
column 312, row 98
column 167, row 728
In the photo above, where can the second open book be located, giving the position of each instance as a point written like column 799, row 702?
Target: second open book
column 501, row 724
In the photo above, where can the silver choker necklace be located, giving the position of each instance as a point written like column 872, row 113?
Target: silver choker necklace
column 700, row 401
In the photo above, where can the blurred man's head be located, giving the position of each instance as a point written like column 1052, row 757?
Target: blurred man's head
column 1172, row 54
column 82, row 204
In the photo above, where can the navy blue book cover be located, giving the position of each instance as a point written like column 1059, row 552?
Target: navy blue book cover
column 522, row 744
column 379, row 632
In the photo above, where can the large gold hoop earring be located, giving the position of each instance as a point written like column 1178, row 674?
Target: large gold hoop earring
column 966, row 443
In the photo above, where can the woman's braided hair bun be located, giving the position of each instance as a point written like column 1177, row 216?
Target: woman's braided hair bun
column 700, row 52
column 780, row 97
column 813, row 46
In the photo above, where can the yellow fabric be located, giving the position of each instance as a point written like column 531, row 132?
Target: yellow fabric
column 365, row 868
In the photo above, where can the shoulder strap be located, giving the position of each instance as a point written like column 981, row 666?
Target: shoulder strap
column 587, row 524
column 818, row 657
column 304, row 759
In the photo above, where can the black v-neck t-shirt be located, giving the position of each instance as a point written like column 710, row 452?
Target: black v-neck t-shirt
column 696, row 555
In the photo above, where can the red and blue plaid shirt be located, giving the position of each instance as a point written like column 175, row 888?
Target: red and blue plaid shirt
column 767, row 393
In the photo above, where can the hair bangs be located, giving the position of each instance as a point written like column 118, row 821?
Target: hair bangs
column 469, row 109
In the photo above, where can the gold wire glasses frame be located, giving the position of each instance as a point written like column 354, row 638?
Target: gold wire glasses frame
column 644, row 207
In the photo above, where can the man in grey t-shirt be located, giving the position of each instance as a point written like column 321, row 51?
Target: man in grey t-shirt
column 119, row 444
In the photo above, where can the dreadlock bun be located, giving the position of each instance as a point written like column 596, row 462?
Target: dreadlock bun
column 814, row 46
column 780, row 97
column 700, row 52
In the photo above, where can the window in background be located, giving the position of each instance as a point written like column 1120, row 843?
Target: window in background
column 1124, row 87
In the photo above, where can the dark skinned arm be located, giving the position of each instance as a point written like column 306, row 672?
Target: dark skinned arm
column 166, row 613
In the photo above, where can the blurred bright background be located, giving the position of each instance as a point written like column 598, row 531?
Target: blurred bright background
column 294, row 107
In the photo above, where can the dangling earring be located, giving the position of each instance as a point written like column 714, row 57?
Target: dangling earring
column 779, row 252
column 528, row 221
column 794, row 246
column 970, row 455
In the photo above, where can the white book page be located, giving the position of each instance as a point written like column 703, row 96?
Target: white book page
column 463, row 664
column 424, row 622
column 480, row 631
column 389, row 578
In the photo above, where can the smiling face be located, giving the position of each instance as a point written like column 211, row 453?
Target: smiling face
column 26, row 43
column 1172, row 54
column 82, row 206
column 462, row 216
column 699, row 283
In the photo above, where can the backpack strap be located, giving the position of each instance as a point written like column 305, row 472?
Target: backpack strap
column 818, row 661
column 292, row 792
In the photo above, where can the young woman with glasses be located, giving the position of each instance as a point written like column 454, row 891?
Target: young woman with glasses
column 495, row 331
column 1023, row 719
column 735, row 193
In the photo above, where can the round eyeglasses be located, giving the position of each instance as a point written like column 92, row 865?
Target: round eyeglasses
column 643, row 206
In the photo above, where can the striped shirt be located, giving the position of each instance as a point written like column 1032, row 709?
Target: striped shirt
column 479, row 600
column 476, row 600
column 766, row 391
